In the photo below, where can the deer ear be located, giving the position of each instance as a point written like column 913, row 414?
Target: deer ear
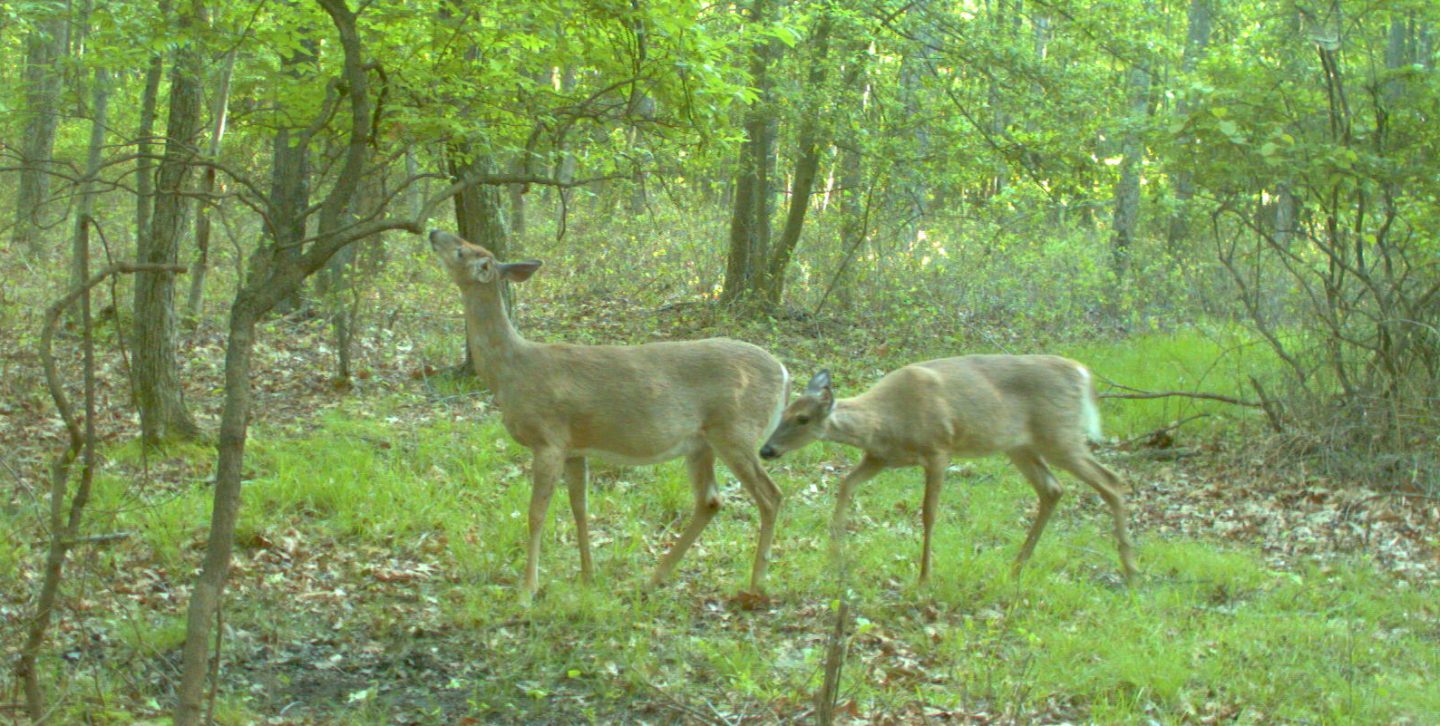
column 819, row 383
column 519, row 271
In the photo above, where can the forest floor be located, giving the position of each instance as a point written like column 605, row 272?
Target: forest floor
column 383, row 627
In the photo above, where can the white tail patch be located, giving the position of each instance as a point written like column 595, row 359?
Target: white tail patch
column 1089, row 412
column 779, row 405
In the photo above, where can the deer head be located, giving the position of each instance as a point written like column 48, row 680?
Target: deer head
column 471, row 265
column 803, row 421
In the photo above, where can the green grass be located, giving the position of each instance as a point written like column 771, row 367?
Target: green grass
column 1207, row 359
column 1209, row 631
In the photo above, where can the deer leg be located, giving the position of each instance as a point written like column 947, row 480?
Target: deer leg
column 545, row 470
column 1047, row 489
column 577, row 474
column 1111, row 489
column 863, row 472
column 934, row 478
column 746, row 466
column 701, row 466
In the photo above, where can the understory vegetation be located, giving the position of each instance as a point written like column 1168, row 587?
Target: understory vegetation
column 382, row 537
column 250, row 472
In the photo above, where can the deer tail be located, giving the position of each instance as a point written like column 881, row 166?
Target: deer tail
column 1089, row 405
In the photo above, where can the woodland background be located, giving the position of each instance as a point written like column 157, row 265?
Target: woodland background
column 259, row 416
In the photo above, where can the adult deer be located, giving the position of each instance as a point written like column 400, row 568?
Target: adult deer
column 640, row 404
column 1035, row 409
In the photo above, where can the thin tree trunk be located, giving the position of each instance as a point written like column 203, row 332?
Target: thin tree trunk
column 207, row 188
column 750, row 222
column 262, row 293
column 517, row 192
column 806, row 166
column 290, row 180
column 44, row 49
column 205, row 597
column 159, row 394
column 63, row 532
column 1197, row 37
column 99, row 106
column 144, row 164
column 1127, row 188
column 999, row 120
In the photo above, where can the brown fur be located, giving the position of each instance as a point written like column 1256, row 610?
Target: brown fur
column 1035, row 409
column 638, row 404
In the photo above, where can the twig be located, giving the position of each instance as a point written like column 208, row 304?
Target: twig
column 1140, row 395
column 671, row 702
column 99, row 539
column 1272, row 411
column 1161, row 430
column 829, row 694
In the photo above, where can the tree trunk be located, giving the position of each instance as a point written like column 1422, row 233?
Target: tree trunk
column 63, row 532
column 44, row 49
column 207, row 187
column 1127, row 188
column 159, row 395
column 517, row 192
column 1197, row 37
column 479, row 210
column 914, row 65
column 290, row 181
column 565, row 167
column 99, row 106
column 144, row 165
column 806, row 166
column 225, row 512
column 479, row 217
column 999, row 119
column 750, row 222
column 275, row 280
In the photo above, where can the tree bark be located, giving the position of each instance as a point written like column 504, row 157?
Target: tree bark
column 62, row 530
column 207, row 188
column 225, row 511
column 275, row 279
column 158, row 393
column 44, row 48
column 806, row 166
column 144, row 164
column 290, row 180
column 479, row 210
column 750, row 221
column 1127, row 188
column 99, row 106
column 1197, row 37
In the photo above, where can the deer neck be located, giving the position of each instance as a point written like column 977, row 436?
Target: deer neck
column 851, row 424
column 494, row 342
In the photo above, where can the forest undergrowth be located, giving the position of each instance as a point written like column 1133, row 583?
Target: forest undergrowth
column 382, row 537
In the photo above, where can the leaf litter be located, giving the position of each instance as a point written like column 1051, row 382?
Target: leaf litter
column 348, row 624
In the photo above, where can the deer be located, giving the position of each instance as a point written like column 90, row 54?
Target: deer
column 1039, row 410
column 630, row 404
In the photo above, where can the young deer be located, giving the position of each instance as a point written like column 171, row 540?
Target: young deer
column 640, row 404
column 1035, row 409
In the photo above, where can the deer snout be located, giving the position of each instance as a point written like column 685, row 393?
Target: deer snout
column 768, row 452
column 435, row 236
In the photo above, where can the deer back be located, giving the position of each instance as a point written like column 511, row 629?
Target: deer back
column 640, row 403
column 980, row 404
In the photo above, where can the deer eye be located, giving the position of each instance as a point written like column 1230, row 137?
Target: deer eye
column 802, row 420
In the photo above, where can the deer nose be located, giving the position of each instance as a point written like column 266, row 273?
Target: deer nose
column 768, row 452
